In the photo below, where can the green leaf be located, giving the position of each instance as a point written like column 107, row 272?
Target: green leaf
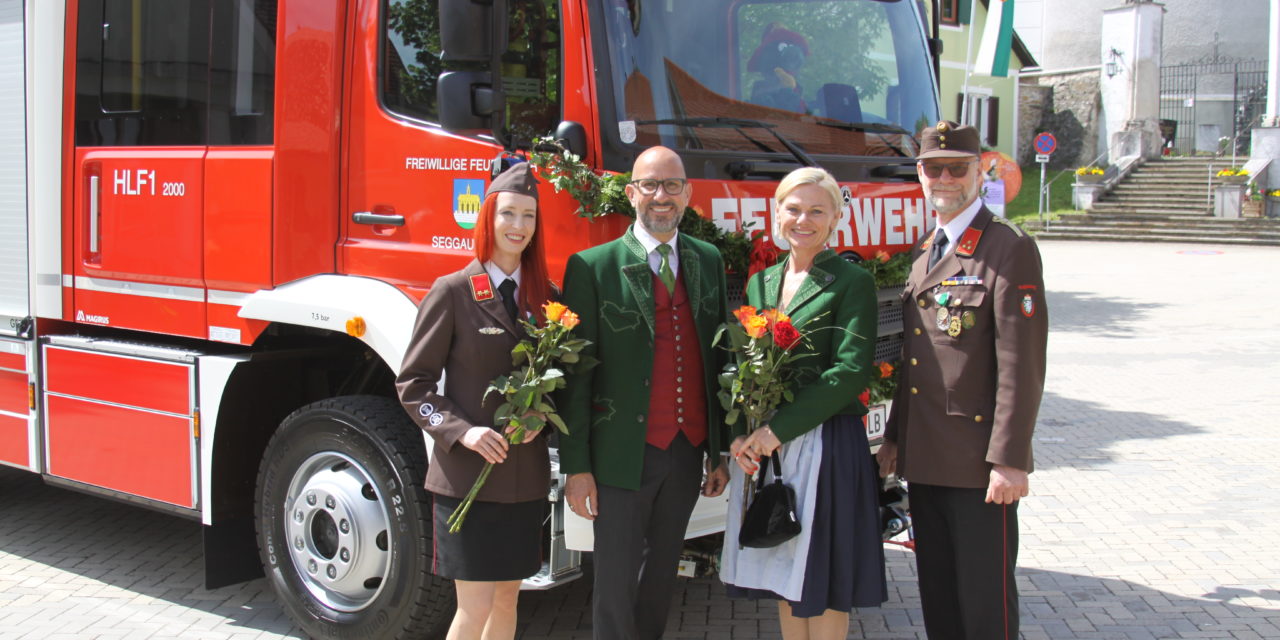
column 732, row 416
column 558, row 422
column 533, row 423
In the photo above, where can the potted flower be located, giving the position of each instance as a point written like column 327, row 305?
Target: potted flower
column 1233, row 175
column 1090, row 174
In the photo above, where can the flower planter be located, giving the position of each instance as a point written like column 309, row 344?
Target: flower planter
column 1240, row 179
column 1089, row 178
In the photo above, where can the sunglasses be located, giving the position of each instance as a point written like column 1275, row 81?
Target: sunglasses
column 934, row 171
column 649, row 186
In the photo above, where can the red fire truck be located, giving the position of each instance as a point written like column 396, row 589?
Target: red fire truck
column 217, row 218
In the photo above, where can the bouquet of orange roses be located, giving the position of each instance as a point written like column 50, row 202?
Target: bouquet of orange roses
column 541, row 364
column 759, row 378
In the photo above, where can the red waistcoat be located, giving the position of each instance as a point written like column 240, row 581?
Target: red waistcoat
column 678, row 400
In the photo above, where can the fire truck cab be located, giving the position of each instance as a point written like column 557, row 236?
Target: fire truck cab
column 217, row 218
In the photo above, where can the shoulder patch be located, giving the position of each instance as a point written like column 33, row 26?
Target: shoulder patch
column 1004, row 221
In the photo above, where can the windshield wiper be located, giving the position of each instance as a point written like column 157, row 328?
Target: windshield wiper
column 739, row 124
column 878, row 128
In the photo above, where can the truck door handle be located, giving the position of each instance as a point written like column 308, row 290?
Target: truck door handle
column 94, row 211
column 368, row 217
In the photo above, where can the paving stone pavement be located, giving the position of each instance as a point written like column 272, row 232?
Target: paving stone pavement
column 1153, row 513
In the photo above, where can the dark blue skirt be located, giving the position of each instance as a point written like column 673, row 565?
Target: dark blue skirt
column 845, row 567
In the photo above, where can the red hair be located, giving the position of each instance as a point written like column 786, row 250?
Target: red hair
column 535, row 283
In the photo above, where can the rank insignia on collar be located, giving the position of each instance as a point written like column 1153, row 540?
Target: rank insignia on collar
column 481, row 288
column 968, row 242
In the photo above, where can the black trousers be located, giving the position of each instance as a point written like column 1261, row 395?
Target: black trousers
column 966, row 552
column 639, row 535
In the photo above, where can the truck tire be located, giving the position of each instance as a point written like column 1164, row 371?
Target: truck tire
column 344, row 523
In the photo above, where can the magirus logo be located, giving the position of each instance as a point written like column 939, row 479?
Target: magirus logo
column 81, row 316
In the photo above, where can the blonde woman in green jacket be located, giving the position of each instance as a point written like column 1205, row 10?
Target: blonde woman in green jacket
column 837, row 561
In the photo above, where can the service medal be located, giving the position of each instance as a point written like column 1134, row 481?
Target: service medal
column 953, row 327
column 968, row 319
column 944, row 319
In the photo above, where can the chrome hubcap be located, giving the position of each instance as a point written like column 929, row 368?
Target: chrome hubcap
column 337, row 530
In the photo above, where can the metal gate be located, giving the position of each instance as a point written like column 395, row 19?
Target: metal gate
column 1216, row 91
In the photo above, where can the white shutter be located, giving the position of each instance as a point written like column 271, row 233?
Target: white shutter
column 14, row 300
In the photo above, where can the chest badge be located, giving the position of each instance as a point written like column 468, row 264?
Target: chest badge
column 492, row 331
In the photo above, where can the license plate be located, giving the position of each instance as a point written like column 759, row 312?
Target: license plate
column 877, row 416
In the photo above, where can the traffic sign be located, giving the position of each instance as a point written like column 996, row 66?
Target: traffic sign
column 1045, row 143
column 1042, row 158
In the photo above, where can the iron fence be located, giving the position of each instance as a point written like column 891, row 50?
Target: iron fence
column 1187, row 91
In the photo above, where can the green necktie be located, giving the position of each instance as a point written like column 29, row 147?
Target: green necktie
column 664, row 269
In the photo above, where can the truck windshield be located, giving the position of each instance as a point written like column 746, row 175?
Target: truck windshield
column 846, row 77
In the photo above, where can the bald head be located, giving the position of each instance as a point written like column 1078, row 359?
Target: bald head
column 659, row 191
column 659, row 159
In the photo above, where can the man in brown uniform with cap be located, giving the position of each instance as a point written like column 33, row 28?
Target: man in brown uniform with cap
column 972, row 377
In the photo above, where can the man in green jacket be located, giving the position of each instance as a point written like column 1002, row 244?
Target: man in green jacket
column 642, row 422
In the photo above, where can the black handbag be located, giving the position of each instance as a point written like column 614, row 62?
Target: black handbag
column 771, row 519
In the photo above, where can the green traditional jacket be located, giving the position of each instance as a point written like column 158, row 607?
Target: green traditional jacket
column 836, row 308
column 610, row 287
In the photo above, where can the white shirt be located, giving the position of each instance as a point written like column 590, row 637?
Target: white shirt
column 958, row 224
column 650, row 245
column 498, row 276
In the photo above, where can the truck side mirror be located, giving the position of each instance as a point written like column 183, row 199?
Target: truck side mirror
column 467, row 30
column 574, row 136
column 466, row 101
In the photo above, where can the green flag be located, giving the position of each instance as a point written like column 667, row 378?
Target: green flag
column 997, row 40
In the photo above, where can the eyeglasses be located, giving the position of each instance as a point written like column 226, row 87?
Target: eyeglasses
column 649, row 186
column 957, row 170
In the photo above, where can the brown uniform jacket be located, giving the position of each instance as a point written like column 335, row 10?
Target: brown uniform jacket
column 968, row 399
column 472, row 340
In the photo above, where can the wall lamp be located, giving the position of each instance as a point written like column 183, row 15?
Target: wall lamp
column 1113, row 64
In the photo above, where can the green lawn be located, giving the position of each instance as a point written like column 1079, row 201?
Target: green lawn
column 1023, row 207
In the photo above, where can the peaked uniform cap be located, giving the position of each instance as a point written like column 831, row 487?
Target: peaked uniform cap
column 517, row 179
column 949, row 139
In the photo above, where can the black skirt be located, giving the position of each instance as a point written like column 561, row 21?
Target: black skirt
column 498, row 541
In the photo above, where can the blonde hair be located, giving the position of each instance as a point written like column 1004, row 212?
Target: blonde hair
column 809, row 175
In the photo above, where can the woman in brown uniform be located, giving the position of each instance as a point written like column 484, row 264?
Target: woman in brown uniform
column 467, row 326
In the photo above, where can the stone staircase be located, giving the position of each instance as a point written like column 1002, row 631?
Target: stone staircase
column 1167, row 200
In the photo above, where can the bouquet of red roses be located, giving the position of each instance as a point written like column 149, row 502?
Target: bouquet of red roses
column 525, row 407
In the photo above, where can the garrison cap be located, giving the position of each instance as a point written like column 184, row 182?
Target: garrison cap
column 948, row 139
column 517, row 179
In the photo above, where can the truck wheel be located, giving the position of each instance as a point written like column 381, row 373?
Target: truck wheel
column 344, row 523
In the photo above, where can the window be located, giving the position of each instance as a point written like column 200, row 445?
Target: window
column 949, row 12
column 954, row 12
column 531, row 68
column 531, row 65
column 242, row 72
column 983, row 114
column 144, row 73
column 411, row 57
